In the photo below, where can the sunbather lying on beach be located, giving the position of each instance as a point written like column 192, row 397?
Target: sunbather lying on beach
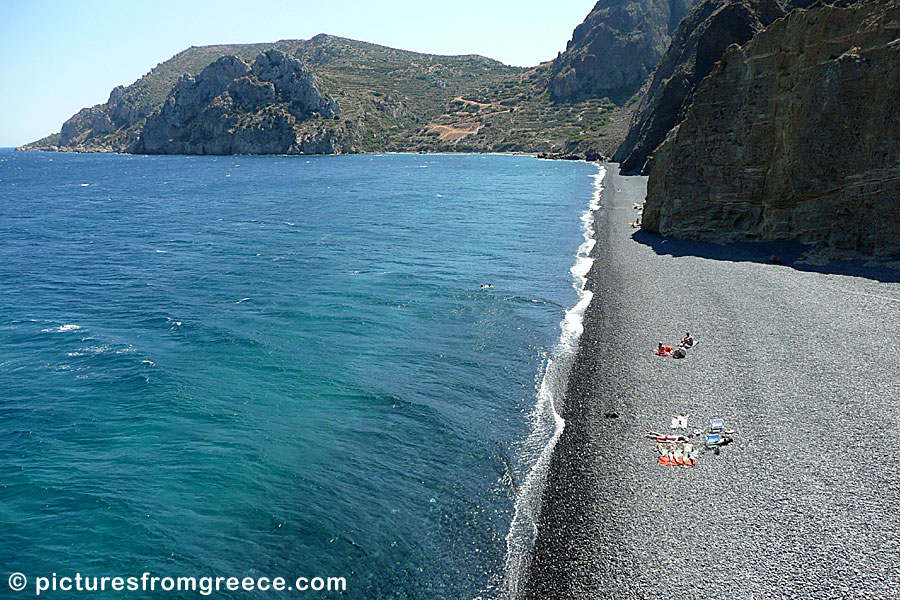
column 679, row 353
column 666, row 437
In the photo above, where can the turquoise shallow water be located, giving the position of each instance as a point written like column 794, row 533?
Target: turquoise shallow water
column 276, row 366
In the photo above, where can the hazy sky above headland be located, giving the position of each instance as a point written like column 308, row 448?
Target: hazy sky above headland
column 60, row 56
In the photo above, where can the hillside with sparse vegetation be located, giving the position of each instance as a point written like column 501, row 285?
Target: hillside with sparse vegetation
column 390, row 100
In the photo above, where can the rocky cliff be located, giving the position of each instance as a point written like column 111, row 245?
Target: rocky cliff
column 700, row 41
column 615, row 49
column 106, row 127
column 794, row 135
column 273, row 106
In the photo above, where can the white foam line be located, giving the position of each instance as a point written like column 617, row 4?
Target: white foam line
column 547, row 422
column 61, row 328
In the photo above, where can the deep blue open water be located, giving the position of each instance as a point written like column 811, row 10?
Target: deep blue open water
column 277, row 366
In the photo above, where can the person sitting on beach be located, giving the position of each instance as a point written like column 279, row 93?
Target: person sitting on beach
column 687, row 341
column 680, row 422
column 690, row 455
column 663, row 350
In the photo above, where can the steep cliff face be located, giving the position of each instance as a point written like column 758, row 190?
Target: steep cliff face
column 232, row 107
column 615, row 49
column 116, row 125
column 105, row 127
column 794, row 135
column 699, row 42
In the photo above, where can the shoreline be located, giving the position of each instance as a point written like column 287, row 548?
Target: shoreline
column 803, row 504
column 535, row 154
column 547, row 423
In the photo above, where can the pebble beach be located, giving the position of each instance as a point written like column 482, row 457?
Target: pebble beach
column 800, row 362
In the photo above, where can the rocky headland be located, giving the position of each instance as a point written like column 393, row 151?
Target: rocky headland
column 218, row 99
column 795, row 134
column 272, row 106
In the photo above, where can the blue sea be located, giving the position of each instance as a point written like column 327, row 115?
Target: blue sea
column 283, row 366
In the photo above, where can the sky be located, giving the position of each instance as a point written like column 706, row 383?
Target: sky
column 57, row 56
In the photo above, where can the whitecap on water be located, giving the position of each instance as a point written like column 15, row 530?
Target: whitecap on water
column 61, row 328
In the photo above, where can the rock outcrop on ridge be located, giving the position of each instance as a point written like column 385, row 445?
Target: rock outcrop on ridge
column 104, row 127
column 794, row 135
column 615, row 49
column 274, row 106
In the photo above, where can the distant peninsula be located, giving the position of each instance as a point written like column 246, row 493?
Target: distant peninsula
column 329, row 95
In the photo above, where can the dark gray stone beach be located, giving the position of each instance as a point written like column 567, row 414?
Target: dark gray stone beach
column 802, row 362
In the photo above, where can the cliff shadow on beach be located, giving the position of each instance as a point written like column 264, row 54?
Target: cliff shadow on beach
column 789, row 253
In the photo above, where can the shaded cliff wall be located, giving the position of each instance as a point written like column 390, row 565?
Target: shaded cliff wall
column 794, row 135
column 700, row 41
